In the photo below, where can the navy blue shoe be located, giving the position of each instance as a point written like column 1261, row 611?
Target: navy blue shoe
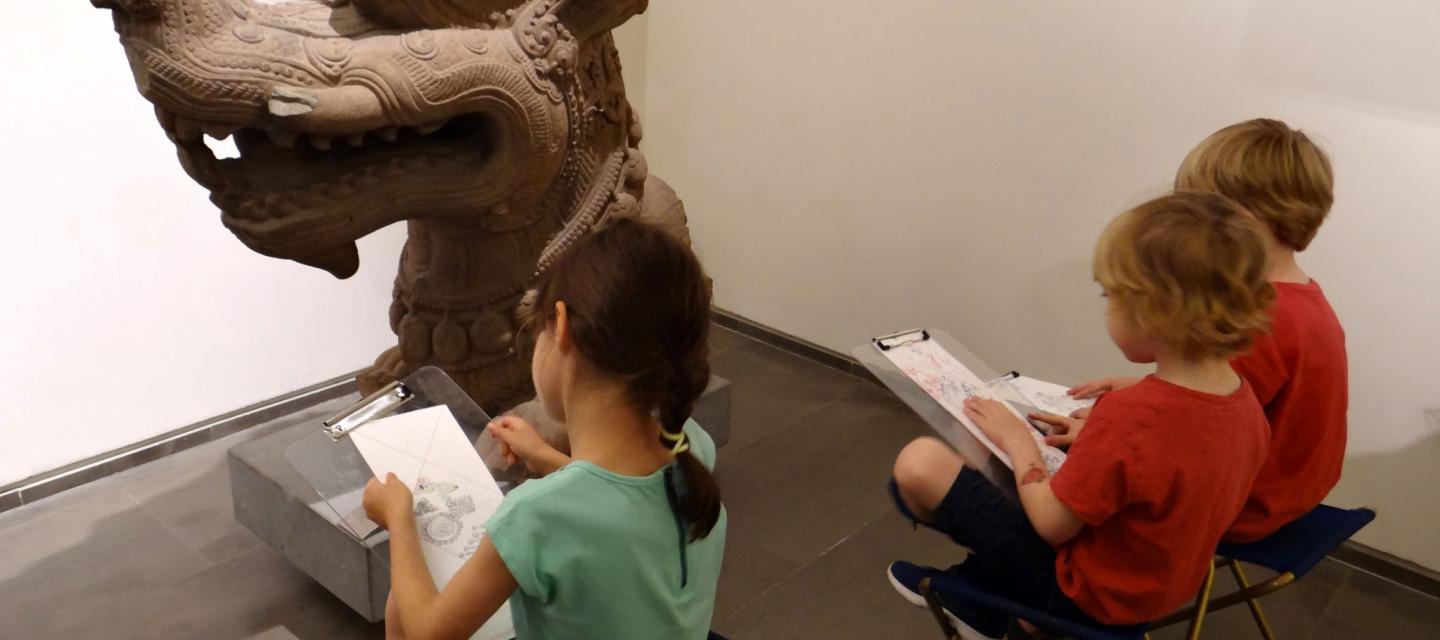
column 906, row 577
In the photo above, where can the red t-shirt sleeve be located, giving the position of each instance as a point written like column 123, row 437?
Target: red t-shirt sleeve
column 1264, row 368
column 1093, row 481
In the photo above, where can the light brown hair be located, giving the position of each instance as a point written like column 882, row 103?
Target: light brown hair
column 638, row 307
column 1189, row 271
column 1274, row 171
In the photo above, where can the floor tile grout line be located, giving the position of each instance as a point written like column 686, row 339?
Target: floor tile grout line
column 38, row 517
column 803, row 567
column 796, row 420
column 802, row 358
column 212, row 566
column 1334, row 597
column 770, row 588
column 810, row 362
column 209, row 564
column 1426, row 595
column 167, row 528
column 884, row 510
column 801, row 417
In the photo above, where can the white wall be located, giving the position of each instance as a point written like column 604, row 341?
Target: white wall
column 121, row 283
column 630, row 39
column 862, row 167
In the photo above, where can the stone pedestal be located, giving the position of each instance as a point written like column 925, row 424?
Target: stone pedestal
column 280, row 507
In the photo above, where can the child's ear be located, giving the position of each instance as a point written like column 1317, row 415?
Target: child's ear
column 562, row 327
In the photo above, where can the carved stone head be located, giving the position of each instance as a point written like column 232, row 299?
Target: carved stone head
column 498, row 128
column 353, row 115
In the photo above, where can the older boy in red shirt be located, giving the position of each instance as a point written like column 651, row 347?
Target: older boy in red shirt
column 1125, row 530
column 1299, row 369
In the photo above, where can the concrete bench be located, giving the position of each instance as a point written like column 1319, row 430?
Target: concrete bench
column 280, row 507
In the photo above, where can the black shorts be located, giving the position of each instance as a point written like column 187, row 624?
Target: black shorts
column 1006, row 554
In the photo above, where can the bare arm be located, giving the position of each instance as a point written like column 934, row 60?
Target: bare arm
column 1054, row 521
column 520, row 443
column 475, row 593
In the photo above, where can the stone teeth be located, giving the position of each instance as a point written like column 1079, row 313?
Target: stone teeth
column 427, row 129
column 319, row 142
column 220, row 131
column 284, row 139
column 389, row 134
column 355, row 139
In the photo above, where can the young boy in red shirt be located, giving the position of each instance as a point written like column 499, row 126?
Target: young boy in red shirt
column 1299, row 369
column 1124, row 531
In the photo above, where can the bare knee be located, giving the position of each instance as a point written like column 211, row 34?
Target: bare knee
column 924, row 471
column 920, row 459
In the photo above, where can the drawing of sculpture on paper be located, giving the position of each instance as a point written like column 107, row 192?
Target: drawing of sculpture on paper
column 442, row 511
column 453, row 491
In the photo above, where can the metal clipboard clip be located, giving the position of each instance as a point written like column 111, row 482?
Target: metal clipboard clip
column 377, row 405
column 900, row 339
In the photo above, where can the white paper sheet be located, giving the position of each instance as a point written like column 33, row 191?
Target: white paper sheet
column 454, row 491
column 1045, row 396
column 950, row 383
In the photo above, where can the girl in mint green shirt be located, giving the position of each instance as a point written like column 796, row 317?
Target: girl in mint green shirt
column 624, row 537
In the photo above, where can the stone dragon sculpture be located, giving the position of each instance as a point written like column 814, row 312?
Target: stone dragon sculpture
column 499, row 130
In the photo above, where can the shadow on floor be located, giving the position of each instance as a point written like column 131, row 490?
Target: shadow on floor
column 156, row 553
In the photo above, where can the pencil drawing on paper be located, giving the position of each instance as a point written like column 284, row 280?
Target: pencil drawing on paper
column 950, row 383
column 446, row 515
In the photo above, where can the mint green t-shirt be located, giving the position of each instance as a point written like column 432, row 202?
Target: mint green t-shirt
column 599, row 555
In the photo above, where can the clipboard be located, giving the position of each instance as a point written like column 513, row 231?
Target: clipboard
column 329, row 461
column 975, row 454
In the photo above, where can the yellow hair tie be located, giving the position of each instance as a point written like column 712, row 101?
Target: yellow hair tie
column 681, row 446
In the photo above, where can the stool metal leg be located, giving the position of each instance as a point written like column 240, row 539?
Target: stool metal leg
column 1255, row 610
column 1229, row 600
column 938, row 610
column 1202, row 600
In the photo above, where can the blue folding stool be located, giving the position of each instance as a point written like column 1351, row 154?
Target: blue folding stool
column 940, row 588
column 1290, row 552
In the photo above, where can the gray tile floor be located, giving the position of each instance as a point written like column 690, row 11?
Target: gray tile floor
column 155, row 552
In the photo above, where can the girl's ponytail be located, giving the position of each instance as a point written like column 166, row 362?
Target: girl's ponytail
column 698, row 501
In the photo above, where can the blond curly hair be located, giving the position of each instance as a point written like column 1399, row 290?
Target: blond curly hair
column 1189, row 271
column 1274, row 171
